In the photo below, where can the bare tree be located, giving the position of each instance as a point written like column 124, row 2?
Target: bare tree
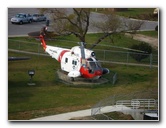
column 75, row 23
column 110, row 25
column 133, row 25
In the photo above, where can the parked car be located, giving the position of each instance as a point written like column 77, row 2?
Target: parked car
column 39, row 17
column 21, row 18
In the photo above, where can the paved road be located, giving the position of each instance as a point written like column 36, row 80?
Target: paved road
column 15, row 29
column 36, row 26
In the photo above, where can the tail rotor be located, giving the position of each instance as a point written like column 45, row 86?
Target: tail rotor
column 40, row 35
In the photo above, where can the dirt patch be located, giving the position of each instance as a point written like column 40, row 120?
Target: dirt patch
column 150, row 40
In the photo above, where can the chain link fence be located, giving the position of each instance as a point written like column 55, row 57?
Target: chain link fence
column 120, row 57
column 105, row 56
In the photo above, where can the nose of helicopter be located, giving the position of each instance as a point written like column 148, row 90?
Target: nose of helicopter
column 98, row 72
column 102, row 72
column 106, row 70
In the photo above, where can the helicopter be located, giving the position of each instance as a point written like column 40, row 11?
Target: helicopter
column 76, row 62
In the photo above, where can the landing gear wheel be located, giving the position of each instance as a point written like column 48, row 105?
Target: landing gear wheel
column 21, row 22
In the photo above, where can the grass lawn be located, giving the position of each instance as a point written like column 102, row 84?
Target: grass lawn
column 149, row 33
column 109, row 43
column 115, row 46
column 137, row 13
column 49, row 96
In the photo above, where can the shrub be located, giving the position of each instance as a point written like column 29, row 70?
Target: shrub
column 144, row 51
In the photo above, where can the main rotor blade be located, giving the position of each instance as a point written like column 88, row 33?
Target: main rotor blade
column 82, row 50
column 123, row 48
column 18, row 58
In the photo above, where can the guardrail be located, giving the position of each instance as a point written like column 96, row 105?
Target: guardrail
column 134, row 104
column 139, row 103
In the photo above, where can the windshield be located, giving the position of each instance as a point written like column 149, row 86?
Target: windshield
column 93, row 64
column 19, row 16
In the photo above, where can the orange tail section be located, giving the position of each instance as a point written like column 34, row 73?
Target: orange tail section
column 43, row 43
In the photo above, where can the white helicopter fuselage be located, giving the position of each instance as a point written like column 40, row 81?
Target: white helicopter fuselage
column 70, row 59
column 77, row 61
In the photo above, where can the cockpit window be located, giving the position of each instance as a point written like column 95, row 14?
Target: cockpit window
column 93, row 64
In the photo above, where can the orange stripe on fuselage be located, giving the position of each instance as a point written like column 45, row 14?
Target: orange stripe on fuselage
column 61, row 55
column 85, row 73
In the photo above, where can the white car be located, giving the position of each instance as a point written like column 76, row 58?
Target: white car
column 39, row 17
column 21, row 18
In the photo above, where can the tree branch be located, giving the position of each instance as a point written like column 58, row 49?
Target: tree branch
column 100, row 39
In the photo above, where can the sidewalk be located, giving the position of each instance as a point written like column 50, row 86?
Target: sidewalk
column 65, row 116
column 81, row 113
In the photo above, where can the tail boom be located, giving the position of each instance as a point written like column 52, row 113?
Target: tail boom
column 43, row 43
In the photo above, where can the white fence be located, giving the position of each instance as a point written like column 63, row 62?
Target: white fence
column 139, row 103
column 134, row 104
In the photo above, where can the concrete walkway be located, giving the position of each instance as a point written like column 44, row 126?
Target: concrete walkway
column 81, row 113
column 65, row 116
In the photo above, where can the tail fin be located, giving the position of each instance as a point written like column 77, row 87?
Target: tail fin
column 43, row 43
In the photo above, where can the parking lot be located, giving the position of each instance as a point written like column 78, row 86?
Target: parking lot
column 16, row 29
column 36, row 26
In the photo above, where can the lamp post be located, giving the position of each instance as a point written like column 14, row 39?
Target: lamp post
column 31, row 73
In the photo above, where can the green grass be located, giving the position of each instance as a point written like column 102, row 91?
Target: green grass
column 49, row 96
column 134, row 12
column 117, row 40
column 137, row 13
column 149, row 33
column 118, row 43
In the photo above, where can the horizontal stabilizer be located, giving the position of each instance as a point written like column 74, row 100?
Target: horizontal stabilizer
column 18, row 58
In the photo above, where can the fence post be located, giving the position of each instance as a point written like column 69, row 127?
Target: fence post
column 151, row 59
column 114, row 78
column 19, row 47
column 38, row 48
column 127, row 57
column 104, row 54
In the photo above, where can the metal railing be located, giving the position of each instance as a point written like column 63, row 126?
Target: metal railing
column 138, row 103
column 134, row 104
